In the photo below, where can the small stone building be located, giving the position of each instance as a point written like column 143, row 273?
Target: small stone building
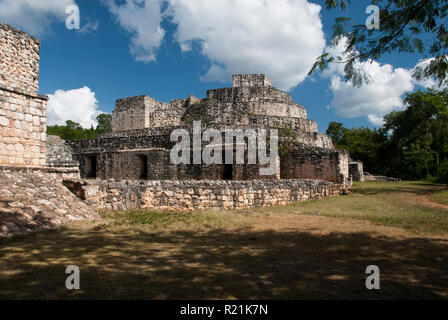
column 139, row 145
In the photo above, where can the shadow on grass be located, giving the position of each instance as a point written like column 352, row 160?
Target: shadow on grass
column 243, row 264
column 375, row 188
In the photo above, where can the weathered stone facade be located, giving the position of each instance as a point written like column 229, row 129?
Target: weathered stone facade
column 59, row 153
column 19, row 65
column 190, row 195
column 22, row 109
column 139, row 146
column 35, row 198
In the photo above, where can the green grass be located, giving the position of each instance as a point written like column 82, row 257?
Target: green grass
column 440, row 197
column 384, row 203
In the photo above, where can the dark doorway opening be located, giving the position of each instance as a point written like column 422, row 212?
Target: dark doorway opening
column 91, row 167
column 144, row 166
column 228, row 172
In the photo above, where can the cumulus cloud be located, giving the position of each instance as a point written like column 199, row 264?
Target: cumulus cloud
column 373, row 100
column 281, row 38
column 141, row 18
column 33, row 16
column 78, row 105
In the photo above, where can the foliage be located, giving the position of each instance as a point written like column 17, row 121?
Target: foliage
column 412, row 144
column 413, row 26
column 74, row 131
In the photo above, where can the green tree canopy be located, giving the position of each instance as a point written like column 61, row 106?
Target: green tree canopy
column 74, row 131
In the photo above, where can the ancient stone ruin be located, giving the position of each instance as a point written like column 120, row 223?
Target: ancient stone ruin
column 139, row 146
column 51, row 182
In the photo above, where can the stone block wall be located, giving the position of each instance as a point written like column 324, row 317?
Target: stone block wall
column 23, row 129
column 142, row 112
column 22, row 109
column 190, row 195
column 19, row 63
column 315, row 163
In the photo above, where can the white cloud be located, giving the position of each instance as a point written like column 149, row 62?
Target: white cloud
column 141, row 18
column 373, row 100
column 281, row 38
column 89, row 27
column 33, row 16
column 78, row 105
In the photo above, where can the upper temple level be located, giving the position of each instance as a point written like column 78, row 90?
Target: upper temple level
column 250, row 101
column 250, row 80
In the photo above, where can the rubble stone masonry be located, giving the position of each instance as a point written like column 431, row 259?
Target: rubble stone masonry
column 205, row 194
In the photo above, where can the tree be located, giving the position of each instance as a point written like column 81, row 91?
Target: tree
column 74, row 131
column 104, row 122
column 414, row 26
column 419, row 134
column 335, row 131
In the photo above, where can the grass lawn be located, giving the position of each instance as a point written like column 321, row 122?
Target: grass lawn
column 318, row 249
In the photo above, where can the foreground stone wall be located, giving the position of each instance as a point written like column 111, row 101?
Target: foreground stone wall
column 190, row 195
column 23, row 127
column 22, row 109
column 35, row 199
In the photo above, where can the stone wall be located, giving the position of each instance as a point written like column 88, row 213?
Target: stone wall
column 316, row 163
column 19, row 63
column 190, row 195
column 23, row 127
column 143, row 112
column 35, row 199
column 22, row 109
column 59, row 153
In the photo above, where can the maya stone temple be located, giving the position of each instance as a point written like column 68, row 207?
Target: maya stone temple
column 46, row 181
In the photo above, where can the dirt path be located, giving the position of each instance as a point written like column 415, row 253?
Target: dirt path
column 424, row 199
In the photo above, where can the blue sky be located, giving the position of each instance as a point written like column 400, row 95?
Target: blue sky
column 128, row 47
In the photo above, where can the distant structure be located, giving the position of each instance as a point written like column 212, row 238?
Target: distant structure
column 22, row 109
column 356, row 171
column 139, row 146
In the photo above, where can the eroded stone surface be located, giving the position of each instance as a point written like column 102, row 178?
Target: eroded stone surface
column 191, row 195
column 35, row 200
